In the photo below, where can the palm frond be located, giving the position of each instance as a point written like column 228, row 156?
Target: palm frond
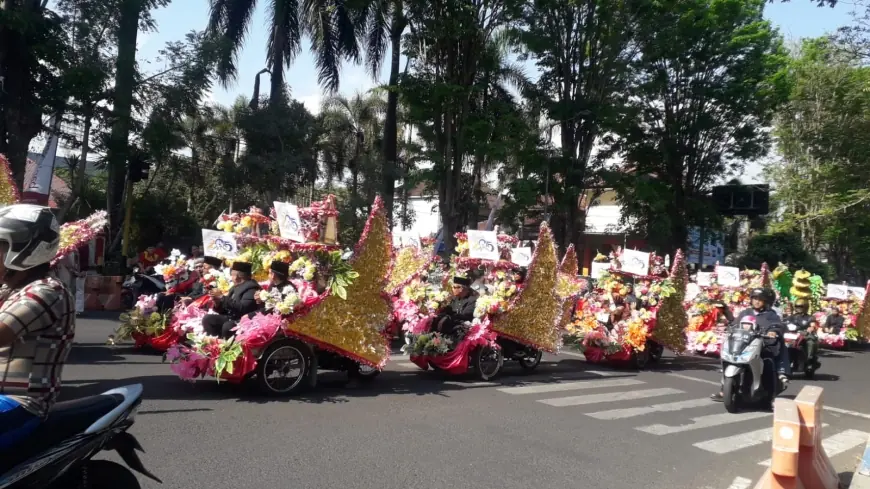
column 230, row 20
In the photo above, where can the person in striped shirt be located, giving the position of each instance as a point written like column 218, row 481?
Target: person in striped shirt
column 37, row 320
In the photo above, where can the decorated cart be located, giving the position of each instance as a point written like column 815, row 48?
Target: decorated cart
column 847, row 302
column 635, row 311
column 516, row 317
column 725, row 286
column 331, row 318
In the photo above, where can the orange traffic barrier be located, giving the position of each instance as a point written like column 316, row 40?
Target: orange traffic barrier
column 103, row 293
column 816, row 469
column 799, row 460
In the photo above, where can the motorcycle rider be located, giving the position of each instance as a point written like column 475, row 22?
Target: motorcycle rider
column 37, row 320
column 761, row 301
column 804, row 322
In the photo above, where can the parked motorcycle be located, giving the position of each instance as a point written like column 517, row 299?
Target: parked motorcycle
column 58, row 454
column 749, row 376
column 140, row 283
column 797, row 353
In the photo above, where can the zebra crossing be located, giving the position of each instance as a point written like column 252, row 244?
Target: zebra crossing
column 602, row 395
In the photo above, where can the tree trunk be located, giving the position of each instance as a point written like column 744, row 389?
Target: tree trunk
column 391, row 130
column 276, row 65
column 125, row 77
column 20, row 120
column 78, row 180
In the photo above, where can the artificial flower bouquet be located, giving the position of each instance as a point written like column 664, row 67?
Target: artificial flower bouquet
column 75, row 234
column 252, row 221
column 143, row 319
column 176, row 271
column 283, row 301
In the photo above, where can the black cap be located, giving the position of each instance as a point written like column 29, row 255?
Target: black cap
column 213, row 261
column 280, row 267
column 241, row 266
column 460, row 280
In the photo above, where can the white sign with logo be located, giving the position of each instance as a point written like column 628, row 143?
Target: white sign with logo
column 219, row 244
column 728, row 276
column 289, row 223
column 411, row 240
column 635, row 262
column 704, row 279
column 483, row 245
column 837, row 291
column 521, row 256
column 858, row 292
column 598, row 268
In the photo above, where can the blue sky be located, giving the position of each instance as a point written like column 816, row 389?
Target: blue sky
column 796, row 19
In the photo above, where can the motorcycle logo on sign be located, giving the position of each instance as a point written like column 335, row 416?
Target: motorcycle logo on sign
column 484, row 246
column 219, row 244
column 289, row 222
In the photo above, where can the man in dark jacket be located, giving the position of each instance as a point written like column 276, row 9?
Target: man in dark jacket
column 834, row 321
column 239, row 301
column 198, row 290
column 460, row 309
column 804, row 323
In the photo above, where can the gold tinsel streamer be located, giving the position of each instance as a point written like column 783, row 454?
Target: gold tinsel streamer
column 862, row 323
column 8, row 190
column 567, row 270
column 671, row 319
column 535, row 314
column 409, row 261
column 354, row 325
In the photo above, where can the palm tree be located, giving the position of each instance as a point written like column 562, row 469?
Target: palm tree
column 383, row 19
column 329, row 24
column 352, row 141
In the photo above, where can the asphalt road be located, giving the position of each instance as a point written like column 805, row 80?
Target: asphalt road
column 569, row 424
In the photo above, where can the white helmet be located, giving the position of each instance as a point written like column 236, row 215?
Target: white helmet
column 32, row 233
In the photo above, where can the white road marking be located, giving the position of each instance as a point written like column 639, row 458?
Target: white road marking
column 740, row 483
column 826, row 408
column 730, row 444
column 605, row 373
column 702, row 422
column 406, row 365
column 696, row 379
column 569, row 386
column 839, row 443
column 471, row 384
column 572, row 354
column 655, row 408
column 609, row 397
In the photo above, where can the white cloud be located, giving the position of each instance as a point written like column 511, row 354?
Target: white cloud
column 311, row 102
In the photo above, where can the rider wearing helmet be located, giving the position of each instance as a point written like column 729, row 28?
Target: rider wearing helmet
column 37, row 320
column 804, row 322
column 761, row 308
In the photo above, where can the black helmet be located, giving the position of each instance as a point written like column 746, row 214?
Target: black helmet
column 32, row 233
column 764, row 294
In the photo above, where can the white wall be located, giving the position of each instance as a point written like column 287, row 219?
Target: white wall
column 427, row 220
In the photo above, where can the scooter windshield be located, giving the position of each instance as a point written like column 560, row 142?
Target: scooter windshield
column 738, row 340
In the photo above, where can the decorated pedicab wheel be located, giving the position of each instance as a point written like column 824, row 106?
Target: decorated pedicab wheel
column 362, row 372
column 640, row 359
column 531, row 359
column 487, row 361
column 282, row 367
column 656, row 350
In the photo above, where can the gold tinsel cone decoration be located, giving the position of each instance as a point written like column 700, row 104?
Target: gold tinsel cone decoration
column 353, row 326
column 567, row 273
column 534, row 316
column 671, row 318
column 569, row 263
column 862, row 323
column 800, row 286
column 409, row 262
column 8, row 190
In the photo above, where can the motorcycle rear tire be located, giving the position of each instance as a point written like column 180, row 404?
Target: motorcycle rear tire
column 809, row 373
column 731, row 394
column 105, row 474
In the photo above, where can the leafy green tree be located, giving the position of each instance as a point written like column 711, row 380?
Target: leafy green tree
column 707, row 80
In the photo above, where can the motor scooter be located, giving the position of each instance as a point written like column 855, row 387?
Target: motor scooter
column 795, row 341
column 140, row 283
column 749, row 376
column 58, row 454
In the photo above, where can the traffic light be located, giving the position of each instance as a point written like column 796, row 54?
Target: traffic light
column 138, row 168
